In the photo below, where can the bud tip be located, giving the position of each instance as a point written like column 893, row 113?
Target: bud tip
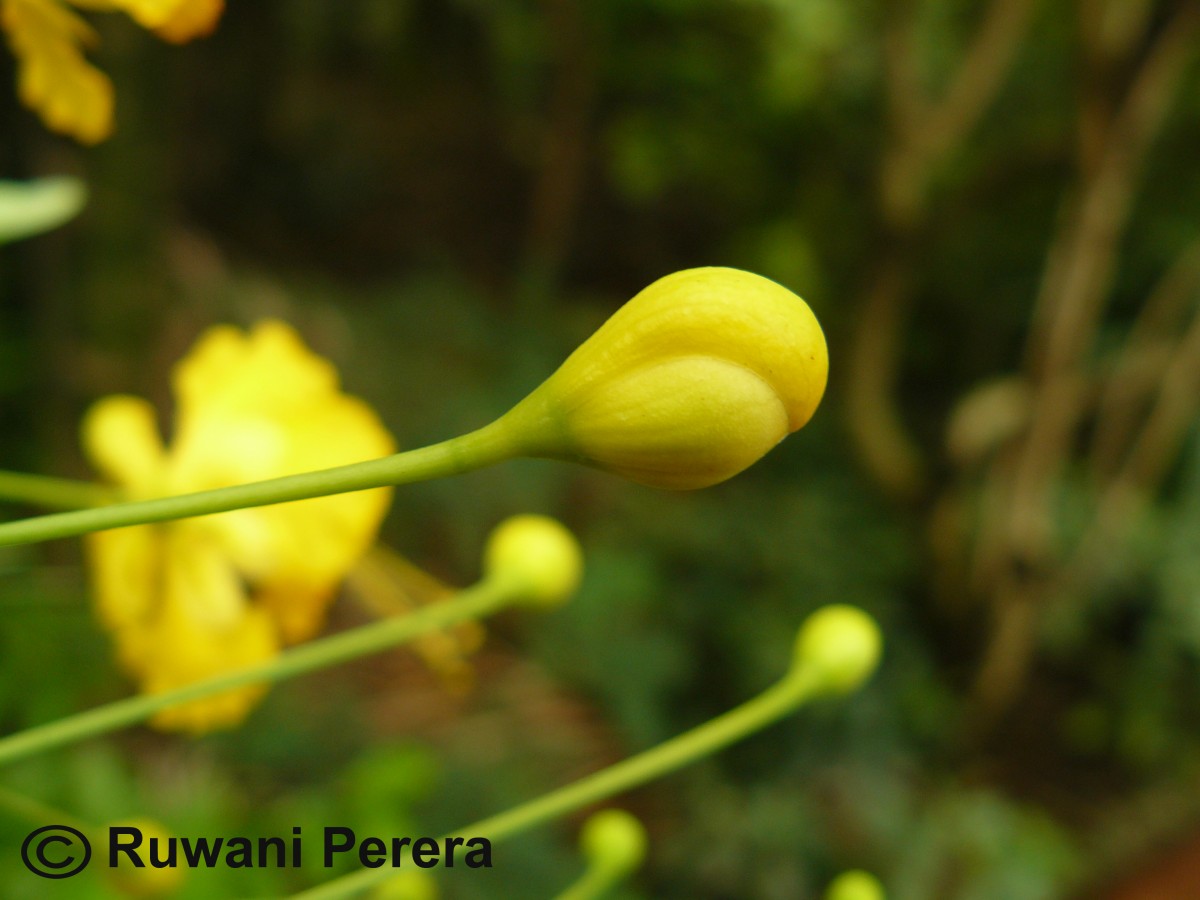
column 855, row 885
column 842, row 644
column 539, row 552
column 613, row 840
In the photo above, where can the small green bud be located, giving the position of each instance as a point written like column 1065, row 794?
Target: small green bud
column 614, row 841
column 855, row 885
column 413, row 884
column 842, row 644
column 686, row 385
column 541, row 553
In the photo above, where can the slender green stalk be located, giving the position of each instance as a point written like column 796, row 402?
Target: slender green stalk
column 54, row 493
column 475, row 602
column 483, row 447
column 753, row 715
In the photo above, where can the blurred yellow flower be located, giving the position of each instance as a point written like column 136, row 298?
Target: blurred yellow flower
column 47, row 37
column 194, row 598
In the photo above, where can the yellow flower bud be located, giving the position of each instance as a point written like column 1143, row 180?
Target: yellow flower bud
column 842, row 644
column 539, row 552
column 411, row 884
column 614, row 841
column 686, row 385
column 855, row 885
column 145, row 881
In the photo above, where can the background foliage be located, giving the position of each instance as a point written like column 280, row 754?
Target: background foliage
column 992, row 209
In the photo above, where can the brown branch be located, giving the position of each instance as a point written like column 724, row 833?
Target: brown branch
column 1156, row 446
column 1077, row 281
column 1110, row 29
column 922, row 134
column 901, row 184
column 906, row 100
column 1141, row 361
column 873, row 418
column 1067, row 314
column 979, row 77
column 1068, row 306
column 1011, row 645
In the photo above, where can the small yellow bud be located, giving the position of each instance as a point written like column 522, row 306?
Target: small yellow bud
column 842, row 644
column 412, row 884
column 686, row 385
column 855, row 885
column 614, row 841
column 541, row 553
column 146, row 881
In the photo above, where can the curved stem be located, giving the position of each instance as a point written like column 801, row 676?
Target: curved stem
column 595, row 882
column 483, row 447
column 34, row 812
column 755, row 714
column 477, row 601
column 54, row 493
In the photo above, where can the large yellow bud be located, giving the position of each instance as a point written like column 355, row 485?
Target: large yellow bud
column 688, row 383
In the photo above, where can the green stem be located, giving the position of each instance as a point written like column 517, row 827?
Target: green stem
column 54, row 493
column 475, row 602
column 753, row 715
column 37, row 813
column 483, row 447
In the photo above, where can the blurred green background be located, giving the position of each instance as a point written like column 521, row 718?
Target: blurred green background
column 992, row 208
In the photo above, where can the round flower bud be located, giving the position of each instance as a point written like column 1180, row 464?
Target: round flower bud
column 540, row 553
column 146, row 881
column 841, row 644
column 855, row 885
column 686, row 385
column 411, row 884
column 613, row 840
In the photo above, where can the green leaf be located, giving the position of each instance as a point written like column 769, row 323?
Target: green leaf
column 32, row 207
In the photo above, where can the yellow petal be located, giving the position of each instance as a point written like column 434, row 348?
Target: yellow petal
column 205, row 627
column 183, row 655
column 121, row 439
column 233, row 371
column 177, row 21
column 191, row 599
column 297, row 606
column 125, row 572
column 259, row 406
column 179, row 613
column 192, row 19
column 295, row 554
column 199, row 582
column 303, row 549
column 53, row 78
